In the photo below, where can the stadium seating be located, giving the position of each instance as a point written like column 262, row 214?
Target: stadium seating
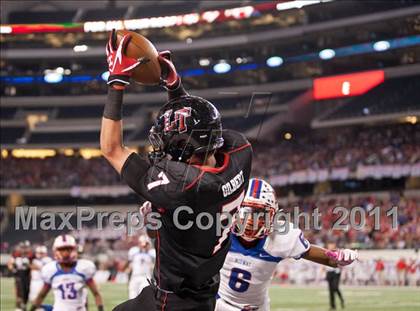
column 9, row 135
column 395, row 95
column 25, row 17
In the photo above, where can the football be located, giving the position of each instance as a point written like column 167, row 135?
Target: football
column 139, row 46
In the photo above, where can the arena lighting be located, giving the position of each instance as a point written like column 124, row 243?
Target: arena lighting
column 381, row 46
column 210, row 16
column 88, row 153
column 53, row 77
column 274, row 61
column 204, row 62
column 33, row 153
column 287, row 136
column 80, row 48
column 33, row 119
column 176, row 20
column 5, row 29
column 345, row 88
column 4, row 153
column 327, row 54
column 59, row 70
column 366, row 111
column 144, row 23
column 411, row 119
column 298, row 4
column 169, row 21
column 41, row 28
column 239, row 13
column 68, row 152
column 105, row 76
column 347, row 84
column 222, row 67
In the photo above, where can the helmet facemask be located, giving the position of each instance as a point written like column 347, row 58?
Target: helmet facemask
column 255, row 217
column 186, row 126
column 254, row 221
column 65, row 255
column 65, row 249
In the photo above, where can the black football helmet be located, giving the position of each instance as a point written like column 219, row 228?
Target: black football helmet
column 185, row 126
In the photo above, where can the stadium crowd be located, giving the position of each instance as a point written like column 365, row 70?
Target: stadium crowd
column 56, row 172
column 377, row 271
column 348, row 147
column 404, row 234
column 109, row 247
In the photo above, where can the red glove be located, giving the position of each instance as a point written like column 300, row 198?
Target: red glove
column 119, row 65
column 169, row 79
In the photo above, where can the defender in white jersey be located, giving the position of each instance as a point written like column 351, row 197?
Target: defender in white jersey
column 40, row 260
column 258, row 246
column 67, row 276
column 141, row 259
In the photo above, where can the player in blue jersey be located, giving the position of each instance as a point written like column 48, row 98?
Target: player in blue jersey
column 68, row 276
column 256, row 251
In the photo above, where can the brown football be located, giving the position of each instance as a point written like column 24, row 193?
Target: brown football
column 139, row 46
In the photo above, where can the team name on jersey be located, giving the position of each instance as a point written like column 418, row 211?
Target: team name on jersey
column 242, row 262
column 234, row 184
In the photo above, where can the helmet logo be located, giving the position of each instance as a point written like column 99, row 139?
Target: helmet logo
column 179, row 123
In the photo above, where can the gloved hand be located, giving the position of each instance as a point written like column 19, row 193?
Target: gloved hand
column 119, row 65
column 145, row 209
column 342, row 257
column 169, row 78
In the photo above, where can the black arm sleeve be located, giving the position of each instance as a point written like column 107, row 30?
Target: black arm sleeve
column 113, row 106
column 177, row 91
column 134, row 168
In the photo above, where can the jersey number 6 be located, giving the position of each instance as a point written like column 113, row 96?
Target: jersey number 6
column 238, row 280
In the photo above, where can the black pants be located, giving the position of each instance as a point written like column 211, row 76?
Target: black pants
column 23, row 282
column 151, row 299
column 333, row 279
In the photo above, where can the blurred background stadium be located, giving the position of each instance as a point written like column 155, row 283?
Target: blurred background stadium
column 327, row 91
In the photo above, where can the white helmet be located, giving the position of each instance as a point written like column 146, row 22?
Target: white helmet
column 41, row 251
column 144, row 241
column 259, row 205
column 65, row 248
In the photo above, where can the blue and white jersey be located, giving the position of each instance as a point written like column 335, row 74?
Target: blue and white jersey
column 141, row 262
column 68, row 287
column 247, row 272
column 39, row 263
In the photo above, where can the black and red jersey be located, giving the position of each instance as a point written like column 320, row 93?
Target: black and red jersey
column 189, row 260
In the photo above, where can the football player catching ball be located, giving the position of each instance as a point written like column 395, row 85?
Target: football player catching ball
column 195, row 165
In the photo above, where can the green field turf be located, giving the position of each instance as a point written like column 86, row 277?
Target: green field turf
column 282, row 298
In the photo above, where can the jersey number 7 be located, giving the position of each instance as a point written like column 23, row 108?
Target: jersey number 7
column 162, row 181
column 229, row 208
